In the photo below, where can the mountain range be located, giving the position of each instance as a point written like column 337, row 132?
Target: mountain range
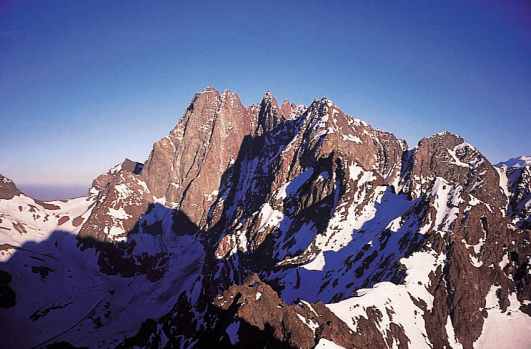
column 275, row 226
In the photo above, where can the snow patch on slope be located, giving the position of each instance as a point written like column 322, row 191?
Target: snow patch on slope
column 521, row 161
column 290, row 188
column 327, row 344
column 396, row 298
column 504, row 330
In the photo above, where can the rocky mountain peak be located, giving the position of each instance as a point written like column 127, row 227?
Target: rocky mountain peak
column 231, row 99
column 329, row 130
column 288, row 109
column 280, row 226
column 129, row 166
column 520, row 161
column 269, row 115
column 8, row 189
column 185, row 168
column 122, row 197
column 450, row 157
column 268, row 97
column 515, row 179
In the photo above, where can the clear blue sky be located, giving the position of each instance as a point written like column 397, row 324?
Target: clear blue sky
column 85, row 84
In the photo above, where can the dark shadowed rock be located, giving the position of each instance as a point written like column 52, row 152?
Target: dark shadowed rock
column 290, row 227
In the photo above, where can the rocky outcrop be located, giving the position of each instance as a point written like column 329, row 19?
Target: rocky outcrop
column 518, row 182
column 186, row 167
column 283, row 226
column 305, row 171
column 466, row 226
column 8, row 189
column 121, row 198
column 322, row 205
column 254, row 309
column 269, row 115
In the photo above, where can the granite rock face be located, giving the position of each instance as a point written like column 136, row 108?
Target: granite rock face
column 519, row 186
column 286, row 226
column 186, row 167
column 122, row 197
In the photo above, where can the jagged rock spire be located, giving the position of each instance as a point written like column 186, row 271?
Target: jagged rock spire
column 186, row 167
column 269, row 115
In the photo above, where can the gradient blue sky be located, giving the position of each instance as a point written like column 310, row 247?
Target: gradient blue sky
column 85, row 84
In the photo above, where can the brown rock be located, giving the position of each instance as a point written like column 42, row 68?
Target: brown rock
column 8, row 189
column 63, row 220
column 186, row 167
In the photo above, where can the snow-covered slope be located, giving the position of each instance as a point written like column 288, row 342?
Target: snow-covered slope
column 68, row 289
column 516, row 182
column 277, row 226
column 520, row 161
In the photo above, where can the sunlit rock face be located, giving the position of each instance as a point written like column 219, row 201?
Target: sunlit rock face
column 8, row 189
column 121, row 197
column 276, row 225
column 185, row 167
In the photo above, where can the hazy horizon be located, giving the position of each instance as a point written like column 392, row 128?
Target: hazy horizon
column 51, row 192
